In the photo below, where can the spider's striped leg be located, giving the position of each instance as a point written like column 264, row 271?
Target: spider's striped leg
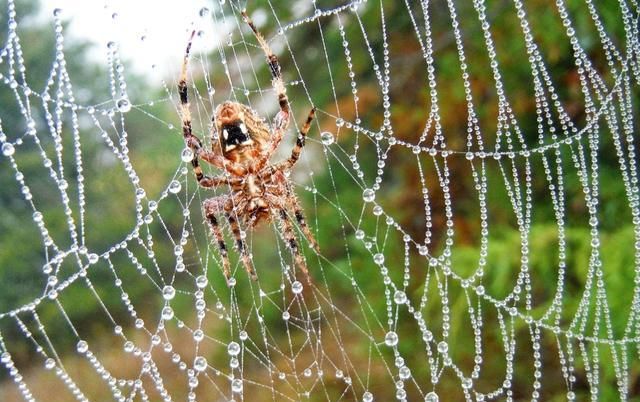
column 274, row 66
column 297, row 210
column 192, row 140
column 241, row 245
column 295, row 153
column 213, row 207
column 290, row 239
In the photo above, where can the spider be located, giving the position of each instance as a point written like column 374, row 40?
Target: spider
column 242, row 145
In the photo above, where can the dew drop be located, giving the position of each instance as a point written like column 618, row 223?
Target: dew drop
column 339, row 122
column 431, row 397
column 443, row 347
column 378, row 258
column 404, row 373
column 244, row 335
column 400, row 297
column 175, row 187
column 82, row 347
column 198, row 335
column 236, row 385
column 359, row 234
column 49, row 363
column 123, row 105
column 296, row 287
column 233, row 349
column 187, row 155
column 200, row 363
column 37, row 216
column 286, row 315
column 367, row 397
column 368, row 195
column 167, row 313
column 93, row 258
column 202, row 281
column 204, row 11
column 57, row 12
column 391, row 339
column 8, row 149
column 326, row 138
column 168, row 292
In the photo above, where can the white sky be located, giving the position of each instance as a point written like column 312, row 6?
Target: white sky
column 165, row 24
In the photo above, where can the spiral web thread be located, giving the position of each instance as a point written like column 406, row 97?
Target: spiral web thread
column 327, row 343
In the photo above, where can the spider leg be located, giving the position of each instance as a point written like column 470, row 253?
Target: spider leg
column 290, row 239
column 191, row 139
column 297, row 210
column 212, row 207
column 274, row 66
column 295, row 153
column 241, row 245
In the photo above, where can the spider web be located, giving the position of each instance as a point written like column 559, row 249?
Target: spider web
column 458, row 177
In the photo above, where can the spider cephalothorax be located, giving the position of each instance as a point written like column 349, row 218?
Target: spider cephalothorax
column 260, row 191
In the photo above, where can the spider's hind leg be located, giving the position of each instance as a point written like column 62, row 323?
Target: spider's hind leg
column 241, row 245
column 212, row 208
column 290, row 239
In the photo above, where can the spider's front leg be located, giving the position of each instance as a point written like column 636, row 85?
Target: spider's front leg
column 281, row 121
column 190, row 138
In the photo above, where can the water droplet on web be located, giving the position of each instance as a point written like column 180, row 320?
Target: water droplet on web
column 233, row 349
column 187, row 155
column 443, row 347
column 286, row 315
column 367, row 397
column 111, row 45
column 49, row 363
column 431, row 397
column 200, row 363
column 204, row 11
column 339, row 122
column 8, row 149
column 123, row 105
column 359, row 234
column 404, row 373
column 168, row 292
column 391, row 339
column 400, row 297
column 198, row 335
column 244, row 335
column 37, row 216
column 175, row 187
column 296, row 287
column 378, row 258
column 93, row 258
column 469, row 156
column 82, row 347
column 236, row 385
column 326, row 138
column 202, row 281
column 167, row 313
column 368, row 195
column 467, row 383
column 57, row 12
